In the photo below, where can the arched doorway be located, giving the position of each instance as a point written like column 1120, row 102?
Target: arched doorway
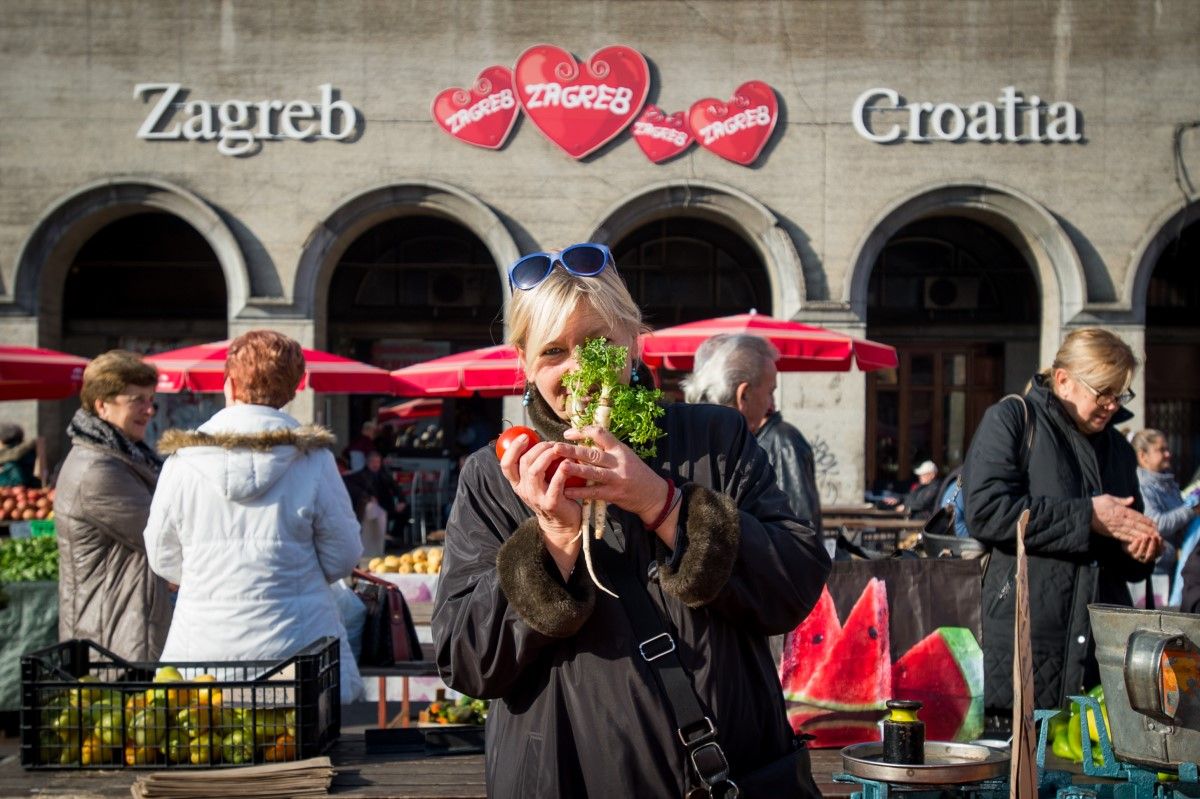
column 960, row 303
column 147, row 282
column 1173, row 349
column 408, row 289
column 681, row 269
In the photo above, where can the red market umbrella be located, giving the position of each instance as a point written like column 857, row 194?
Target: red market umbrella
column 202, row 369
column 802, row 348
column 34, row 373
column 411, row 411
column 491, row 371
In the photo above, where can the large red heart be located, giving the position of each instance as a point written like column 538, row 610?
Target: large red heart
column 661, row 136
column 581, row 110
column 484, row 115
column 737, row 130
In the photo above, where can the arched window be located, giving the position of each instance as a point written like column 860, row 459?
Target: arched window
column 681, row 269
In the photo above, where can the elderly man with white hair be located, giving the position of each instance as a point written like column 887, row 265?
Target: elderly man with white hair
column 738, row 371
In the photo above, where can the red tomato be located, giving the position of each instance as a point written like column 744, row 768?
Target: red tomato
column 511, row 434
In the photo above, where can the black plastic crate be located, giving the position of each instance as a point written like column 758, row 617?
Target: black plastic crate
column 82, row 707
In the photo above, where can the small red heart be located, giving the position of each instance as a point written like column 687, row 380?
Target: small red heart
column 581, row 109
column 482, row 116
column 661, row 136
column 737, row 130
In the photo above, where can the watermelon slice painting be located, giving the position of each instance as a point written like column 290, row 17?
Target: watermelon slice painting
column 808, row 644
column 944, row 671
column 836, row 678
column 856, row 672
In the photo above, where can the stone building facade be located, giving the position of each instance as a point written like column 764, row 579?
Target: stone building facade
column 967, row 181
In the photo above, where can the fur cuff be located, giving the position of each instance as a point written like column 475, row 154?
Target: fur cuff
column 528, row 579
column 714, row 534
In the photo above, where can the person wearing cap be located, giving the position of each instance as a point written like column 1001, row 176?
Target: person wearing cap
column 921, row 500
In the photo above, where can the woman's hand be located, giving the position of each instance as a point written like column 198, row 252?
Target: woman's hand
column 1144, row 549
column 617, row 476
column 1112, row 517
column 558, row 516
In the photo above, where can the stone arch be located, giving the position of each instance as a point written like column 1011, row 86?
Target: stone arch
column 1165, row 229
column 720, row 203
column 328, row 241
column 1024, row 221
column 48, row 252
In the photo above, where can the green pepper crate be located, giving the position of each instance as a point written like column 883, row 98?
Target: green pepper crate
column 82, row 707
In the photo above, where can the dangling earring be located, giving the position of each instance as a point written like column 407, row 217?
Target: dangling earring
column 527, row 400
column 634, row 377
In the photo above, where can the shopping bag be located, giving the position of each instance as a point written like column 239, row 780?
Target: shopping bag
column 900, row 628
column 389, row 635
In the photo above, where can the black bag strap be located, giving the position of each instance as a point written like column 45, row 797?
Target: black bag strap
column 1030, row 427
column 695, row 728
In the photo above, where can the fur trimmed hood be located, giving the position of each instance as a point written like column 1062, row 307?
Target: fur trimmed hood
column 305, row 438
column 243, row 450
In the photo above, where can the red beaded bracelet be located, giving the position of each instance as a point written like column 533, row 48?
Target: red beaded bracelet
column 667, row 507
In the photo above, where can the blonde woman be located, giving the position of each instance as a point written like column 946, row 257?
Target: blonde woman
column 1061, row 457
column 579, row 711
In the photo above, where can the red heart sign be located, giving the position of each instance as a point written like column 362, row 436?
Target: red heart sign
column 737, row 130
column 661, row 136
column 484, row 115
column 581, row 110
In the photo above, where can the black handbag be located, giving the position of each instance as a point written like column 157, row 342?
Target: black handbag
column 389, row 635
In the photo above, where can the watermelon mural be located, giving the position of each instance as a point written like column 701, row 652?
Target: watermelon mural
column 836, row 677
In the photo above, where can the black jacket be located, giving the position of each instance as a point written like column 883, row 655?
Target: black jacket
column 795, row 470
column 577, row 712
column 1069, row 566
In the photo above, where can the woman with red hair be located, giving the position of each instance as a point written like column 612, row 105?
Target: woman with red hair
column 252, row 521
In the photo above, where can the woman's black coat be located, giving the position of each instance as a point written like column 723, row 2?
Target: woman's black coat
column 577, row 711
column 1069, row 565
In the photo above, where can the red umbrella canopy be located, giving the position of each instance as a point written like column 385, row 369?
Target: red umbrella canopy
column 411, row 411
column 491, row 371
column 35, row 373
column 202, row 368
column 802, row 348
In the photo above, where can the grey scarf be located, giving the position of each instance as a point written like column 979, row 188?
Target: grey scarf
column 84, row 427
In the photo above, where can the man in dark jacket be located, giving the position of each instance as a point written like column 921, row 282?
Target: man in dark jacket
column 738, row 371
column 1057, row 453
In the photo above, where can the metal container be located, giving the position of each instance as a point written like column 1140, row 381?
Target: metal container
column 1150, row 668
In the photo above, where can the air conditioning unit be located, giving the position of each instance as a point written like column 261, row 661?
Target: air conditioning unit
column 951, row 293
column 455, row 290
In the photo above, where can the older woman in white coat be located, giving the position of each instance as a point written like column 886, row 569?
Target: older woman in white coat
column 252, row 521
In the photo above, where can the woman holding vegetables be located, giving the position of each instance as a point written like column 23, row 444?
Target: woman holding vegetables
column 522, row 618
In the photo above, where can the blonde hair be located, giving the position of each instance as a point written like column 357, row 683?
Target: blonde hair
column 266, row 367
column 535, row 316
column 108, row 374
column 1143, row 439
column 1098, row 357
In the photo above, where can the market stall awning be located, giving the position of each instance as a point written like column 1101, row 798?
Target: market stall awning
column 202, row 369
column 802, row 348
column 411, row 411
column 34, row 373
column 490, row 371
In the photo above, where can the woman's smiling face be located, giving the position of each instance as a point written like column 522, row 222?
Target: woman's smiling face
column 555, row 357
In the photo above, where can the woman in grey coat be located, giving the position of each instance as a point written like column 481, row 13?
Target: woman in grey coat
column 106, row 591
column 579, row 711
column 1166, row 507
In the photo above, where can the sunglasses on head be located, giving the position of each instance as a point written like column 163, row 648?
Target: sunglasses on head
column 582, row 260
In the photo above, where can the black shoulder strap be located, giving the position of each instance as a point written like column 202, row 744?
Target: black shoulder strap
column 1030, row 426
column 696, row 729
